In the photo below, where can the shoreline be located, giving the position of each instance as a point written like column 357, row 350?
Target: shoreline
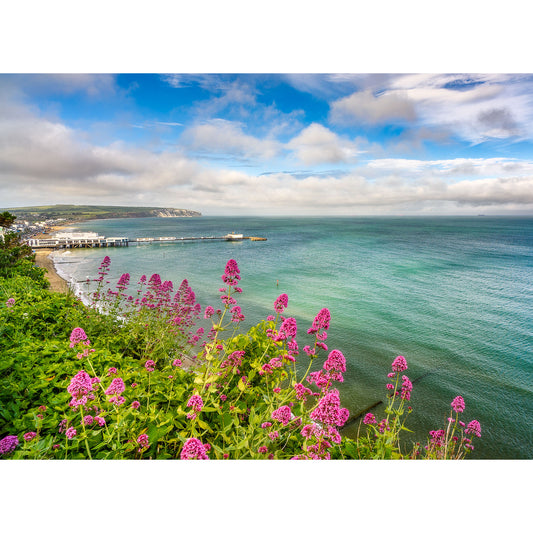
column 43, row 260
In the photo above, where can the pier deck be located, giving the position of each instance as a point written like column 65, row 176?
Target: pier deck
column 99, row 241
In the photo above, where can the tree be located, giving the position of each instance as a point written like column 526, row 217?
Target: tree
column 7, row 219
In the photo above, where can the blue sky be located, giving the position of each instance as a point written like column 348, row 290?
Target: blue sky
column 332, row 144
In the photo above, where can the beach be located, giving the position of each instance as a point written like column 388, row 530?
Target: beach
column 43, row 260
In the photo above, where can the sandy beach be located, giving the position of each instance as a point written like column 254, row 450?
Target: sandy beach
column 42, row 259
column 57, row 283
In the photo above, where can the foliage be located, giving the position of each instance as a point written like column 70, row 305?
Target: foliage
column 131, row 376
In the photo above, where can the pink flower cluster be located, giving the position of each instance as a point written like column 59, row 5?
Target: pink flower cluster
column 399, row 364
column 10, row 302
column 281, row 303
column 196, row 403
column 8, row 444
column 114, row 390
column 78, row 335
column 80, row 388
column 329, row 411
column 193, row 449
column 458, row 404
column 283, row 414
column 234, row 359
column 231, row 275
column 332, row 370
column 143, row 441
column 150, row 365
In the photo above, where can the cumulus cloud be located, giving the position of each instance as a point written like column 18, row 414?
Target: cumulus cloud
column 366, row 107
column 226, row 137
column 317, row 144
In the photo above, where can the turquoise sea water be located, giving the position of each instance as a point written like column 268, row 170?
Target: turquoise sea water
column 454, row 295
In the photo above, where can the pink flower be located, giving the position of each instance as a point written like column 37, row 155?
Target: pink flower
column 135, row 405
column 177, row 362
column 273, row 435
column 117, row 386
column 473, row 427
column 8, row 444
column 283, row 414
column 77, row 336
column 277, row 390
column 458, row 404
column 266, row 424
column 88, row 420
column 196, row 402
column 193, row 449
column 321, row 321
column 208, row 312
column 399, row 364
column 71, row 433
column 281, row 303
column 111, row 370
column 301, row 391
column 123, row 281
column 10, row 302
column 100, row 420
column 407, row 387
column 29, row 436
column 231, row 273
column 369, row 419
column 328, row 410
column 149, row 365
column 143, row 440
column 80, row 388
column 335, row 361
column 262, row 449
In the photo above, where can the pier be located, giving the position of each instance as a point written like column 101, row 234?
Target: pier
column 93, row 240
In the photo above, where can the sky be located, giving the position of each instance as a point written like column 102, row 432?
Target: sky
column 270, row 144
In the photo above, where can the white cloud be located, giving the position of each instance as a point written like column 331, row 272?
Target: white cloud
column 317, row 144
column 226, row 137
column 368, row 108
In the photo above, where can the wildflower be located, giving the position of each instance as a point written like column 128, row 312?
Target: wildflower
column 266, row 424
column 328, row 410
column 143, row 441
column 407, row 387
column 383, row 426
column 281, row 303
column 458, row 404
column 369, row 419
column 262, row 449
column 231, row 273
column 301, row 391
column 123, row 281
column 77, row 336
column 321, row 321
column 150, row 365
column 335, row 361
column 196, row 402
column 193, row 449
column 10, row 302
column 208, row 312
column 177, row 362
column 71, row 433
column 100, row 420
column 135, row 405
column 8, row 444
column 437, row 437
column 111, row 370
column 271, row 317
column 223, row 397
column 42, row 408
column 62, row 425
column 88, row 420
column 288, row 329
column 237, row 315
column 283, row 414
column 389, row 386
column 117, row 386
column 273, row 435
column 311, row 430
column 399, row 364
column 473, row 427
column 29, row 436
column 133, row 385
column 277, row 390
column 80, row 389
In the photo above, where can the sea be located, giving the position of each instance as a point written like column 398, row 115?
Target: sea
column 453, row 295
